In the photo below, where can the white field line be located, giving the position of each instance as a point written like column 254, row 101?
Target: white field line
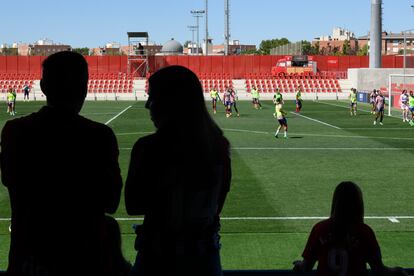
column 98, row 113
column 243, row 130
column 315, row 149
column 322, row 135
column 359, row 109
column 134, row 133
column 394, row 219
column 294, row 134
column 309, row 118
column 275, row 148
column 356, row 137
column 378, row 128
column 117, row 115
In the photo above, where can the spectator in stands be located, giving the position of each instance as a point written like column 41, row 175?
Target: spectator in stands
column 178, row 179
column 140, row 49
column 71, row 178
column 114, row 261
column 344, row 244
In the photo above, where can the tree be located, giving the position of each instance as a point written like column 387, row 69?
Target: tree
column 346, row 48
column 316, row 49
column 7, row 51
column 306, row 47
column 363, row 51
column 335, row 51
column 267, row 45
column 309, row 49
column 249, row 52
column 187, row 43
column 83, row 51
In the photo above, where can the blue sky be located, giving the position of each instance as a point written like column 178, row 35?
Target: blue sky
column 94, row 23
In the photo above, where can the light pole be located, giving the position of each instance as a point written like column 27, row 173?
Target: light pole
column 197, row 14
column 405, row 45
column 226, row 26
column 206, row 9
column 192, row 29
column 405, row 52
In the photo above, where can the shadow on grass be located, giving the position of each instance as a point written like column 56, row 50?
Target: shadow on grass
column 246, row 198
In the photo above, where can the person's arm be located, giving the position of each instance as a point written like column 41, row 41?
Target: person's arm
column 375, row 258
column 302, row 265
column 111, row 179
column 7, row 155
column 138, row 178
column 309, row 254
column 227, row 174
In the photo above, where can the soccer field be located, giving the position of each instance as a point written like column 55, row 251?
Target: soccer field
column 281, row 187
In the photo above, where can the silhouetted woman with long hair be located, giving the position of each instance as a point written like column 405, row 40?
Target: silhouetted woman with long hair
column 178, row 179
column 344, row 244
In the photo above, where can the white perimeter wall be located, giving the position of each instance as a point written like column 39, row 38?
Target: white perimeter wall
column 369, row 79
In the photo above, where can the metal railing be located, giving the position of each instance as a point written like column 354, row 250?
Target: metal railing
column 409, row 271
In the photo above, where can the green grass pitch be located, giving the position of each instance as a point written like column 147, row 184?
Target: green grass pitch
column 280, row 184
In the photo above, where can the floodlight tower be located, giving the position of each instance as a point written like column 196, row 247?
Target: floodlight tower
column 206, row 10
column 192, row 29
column 376, row 34
column 226, row 26
column 197, row 14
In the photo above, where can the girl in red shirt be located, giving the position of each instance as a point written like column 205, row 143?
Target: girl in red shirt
column 344, row 244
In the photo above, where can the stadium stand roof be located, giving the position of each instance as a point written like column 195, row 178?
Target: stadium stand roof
column 137, row 34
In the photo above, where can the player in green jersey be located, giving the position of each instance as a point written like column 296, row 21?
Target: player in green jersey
column 214, row 96
column 298, row 99
column 278, row 97
column 280, row 116
column 11, row 99
column 411, row 107
column 353, row 101
column 255, row 98
column 14, row 101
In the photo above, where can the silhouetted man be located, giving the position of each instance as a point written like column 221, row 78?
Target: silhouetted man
column 62, row 174
column 140, row 49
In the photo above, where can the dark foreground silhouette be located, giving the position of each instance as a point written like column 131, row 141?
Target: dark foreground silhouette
column 62, row 174
column 344, row 244
column 178, row 179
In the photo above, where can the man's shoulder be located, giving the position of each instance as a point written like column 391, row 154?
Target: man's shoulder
column 323, row 226
column 94, row 126
column 22, row 121
column 147, row 143
column 147, row 140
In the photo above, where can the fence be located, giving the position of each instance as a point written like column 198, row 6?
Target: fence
column 288, row 49
column 236, row 66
